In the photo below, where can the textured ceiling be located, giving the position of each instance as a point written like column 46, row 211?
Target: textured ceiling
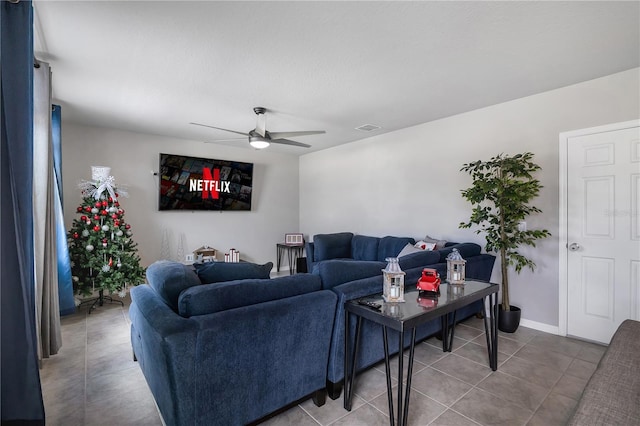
column 156, row 66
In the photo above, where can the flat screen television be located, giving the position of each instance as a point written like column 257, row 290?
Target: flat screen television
column 191, row 183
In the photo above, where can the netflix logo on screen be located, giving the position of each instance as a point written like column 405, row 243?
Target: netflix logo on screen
column 190, row 183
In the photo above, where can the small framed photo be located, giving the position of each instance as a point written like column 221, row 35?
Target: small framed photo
column 294, row 239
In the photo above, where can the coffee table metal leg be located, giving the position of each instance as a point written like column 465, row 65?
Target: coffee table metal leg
column 350, row 360
column 409, row 375
column 400, row 374
column 447, row 331
column 387, row 369
column 491, row 330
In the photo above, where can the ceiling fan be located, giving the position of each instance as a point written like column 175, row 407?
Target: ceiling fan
column 260, row 138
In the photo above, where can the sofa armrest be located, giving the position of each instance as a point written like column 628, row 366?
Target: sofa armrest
column 164, row 343
column 420, row 259
column 338, row 271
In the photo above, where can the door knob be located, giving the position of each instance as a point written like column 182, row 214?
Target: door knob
column 574, row 247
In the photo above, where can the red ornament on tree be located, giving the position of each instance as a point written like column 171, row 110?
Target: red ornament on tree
column 127, row 226
column 110, row 199
column 96, row 217
column 114, row 216
column 117, row 204
column 75, row 235
column 96, row 228
column 116, row 223
column 83, row 218
column 104, row 212
column 104, row 203
column 87, row 209
column 79, row 209
column 98, row 204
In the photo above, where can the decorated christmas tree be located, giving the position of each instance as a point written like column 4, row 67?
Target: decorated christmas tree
column 103, row 254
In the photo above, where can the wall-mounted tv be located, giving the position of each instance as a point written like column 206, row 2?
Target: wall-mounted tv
column 191, row 183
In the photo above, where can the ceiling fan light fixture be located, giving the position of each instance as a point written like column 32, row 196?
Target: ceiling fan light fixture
column 258, row 142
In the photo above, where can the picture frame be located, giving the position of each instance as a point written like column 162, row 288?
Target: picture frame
column 294, row 239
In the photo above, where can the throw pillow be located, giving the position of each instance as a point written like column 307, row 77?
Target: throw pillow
column 425, row 245
column 439, row 243
column 408, row 249
column 215, row 272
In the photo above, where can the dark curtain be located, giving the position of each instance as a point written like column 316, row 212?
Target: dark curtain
column 65, row 285
column 21, row 396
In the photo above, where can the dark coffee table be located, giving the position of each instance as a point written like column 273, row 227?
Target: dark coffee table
column 418, row 309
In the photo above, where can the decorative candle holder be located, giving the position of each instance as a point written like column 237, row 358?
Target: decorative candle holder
column 455, row 267
column 393, row 281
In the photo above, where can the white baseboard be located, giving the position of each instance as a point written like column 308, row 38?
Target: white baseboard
column 553, row 329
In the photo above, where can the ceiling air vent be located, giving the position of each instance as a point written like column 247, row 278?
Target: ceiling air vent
column 368, row 127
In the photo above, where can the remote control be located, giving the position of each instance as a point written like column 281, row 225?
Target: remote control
column 372, row 305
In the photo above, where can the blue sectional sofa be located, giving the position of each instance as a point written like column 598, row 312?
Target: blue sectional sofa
column 230, row 352
column 350, row 266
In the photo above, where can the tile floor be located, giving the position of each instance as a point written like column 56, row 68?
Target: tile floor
column 94, row 381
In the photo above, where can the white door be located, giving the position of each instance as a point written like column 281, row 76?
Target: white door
column 603, row 232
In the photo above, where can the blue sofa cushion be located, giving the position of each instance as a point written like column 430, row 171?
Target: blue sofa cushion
column 215, row 272
column 465, row 249
column 210, row 298
column 332, row 246
column 392, row 246
column 169, row 279
column 364, row 247
column 423, row 258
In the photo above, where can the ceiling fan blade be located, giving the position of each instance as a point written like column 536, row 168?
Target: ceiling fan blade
column 220, row 128
column 226, row 140
column 278, row 135
column 290, row 142
column 261, row 125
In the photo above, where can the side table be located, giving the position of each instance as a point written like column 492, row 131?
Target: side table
column 294, row 251
column 405, row 317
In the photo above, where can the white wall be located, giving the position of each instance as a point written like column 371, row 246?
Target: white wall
column 408, row 182
column 132, row 158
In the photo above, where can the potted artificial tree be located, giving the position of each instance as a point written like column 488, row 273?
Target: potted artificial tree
column 501, row 192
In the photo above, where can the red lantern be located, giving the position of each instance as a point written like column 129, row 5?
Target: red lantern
column 96, row 228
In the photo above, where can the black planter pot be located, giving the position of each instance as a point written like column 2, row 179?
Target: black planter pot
column 508, row 321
